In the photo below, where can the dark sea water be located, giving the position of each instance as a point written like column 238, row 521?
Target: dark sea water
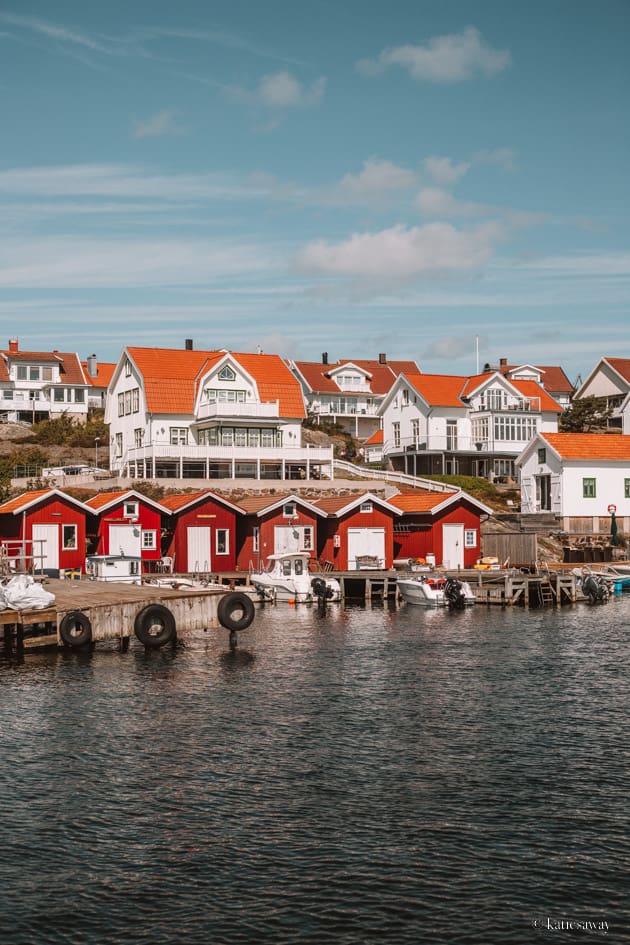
column 372, row 776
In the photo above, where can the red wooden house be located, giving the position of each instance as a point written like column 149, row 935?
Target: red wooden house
column 358, row 532
column 43, row 529
column 440, row 527
column 276, row 524
column 126, row 523
column 201, row 532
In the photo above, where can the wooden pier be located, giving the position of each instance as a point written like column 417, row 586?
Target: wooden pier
column 112, row 611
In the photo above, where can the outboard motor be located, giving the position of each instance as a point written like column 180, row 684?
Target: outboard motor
column 321, row 592
column 454, row 594
column 596, row 589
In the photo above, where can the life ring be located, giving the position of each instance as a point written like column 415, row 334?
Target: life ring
column 75, row 629
column 612, row 509
column 236, row 611
column 155, row 626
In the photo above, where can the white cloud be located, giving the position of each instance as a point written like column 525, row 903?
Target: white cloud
column 401, row 253
column 162, row 123
column 281, row 90
column 444, row 171
column 375, row 179
column 452, row 58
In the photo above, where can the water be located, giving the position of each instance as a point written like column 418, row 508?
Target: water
column 374, row 776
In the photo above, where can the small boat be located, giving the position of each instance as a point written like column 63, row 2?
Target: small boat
column 287, row 578
column 123, row 569
column 436, row 592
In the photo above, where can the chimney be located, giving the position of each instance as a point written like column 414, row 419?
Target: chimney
column 324, row 357
column 382, row 358
column 188, row 344
column 13, row 345
column 502, row 363
column 92, row 366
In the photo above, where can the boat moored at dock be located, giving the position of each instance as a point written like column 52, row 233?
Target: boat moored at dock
column 436, row 592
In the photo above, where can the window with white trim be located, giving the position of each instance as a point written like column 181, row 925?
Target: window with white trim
column 135, row 400
column 138, row 437
column 149, row 539
column 256, row 539
column 289, row 509
column 130, row 509
column 179, row 436
column 307, row 538
column 366, row 507
column 119, row 444
column 470, row 538
column 69, row 538
column 396, row 433
column 222, row 540
column 121, row 404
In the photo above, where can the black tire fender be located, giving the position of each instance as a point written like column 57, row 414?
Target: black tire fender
column 75, row 628
column 155, row 626
column 236, row 611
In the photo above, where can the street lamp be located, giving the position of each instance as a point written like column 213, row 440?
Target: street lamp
column 96, row 441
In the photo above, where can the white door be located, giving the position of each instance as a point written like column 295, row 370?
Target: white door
column 366, row 541
column 124, row 540
column 46, row 546
column 285, row 539
column 199, row 548
column 453, row 546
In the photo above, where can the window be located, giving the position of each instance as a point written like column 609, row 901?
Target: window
column 138, row 437
column 130, row 510
column 121, row 404
column 289, row 509
column 542, row 455
column 79, row 395
column 222, row 537
column 21, row 372
column 47, row 374
column 405, row 397
column 119, row 444
column 179, row 436
column 69, row 537
column 396, row 434
column 366, row 507
column 307, row 538
column 226, row 373
column 470, row 538
column 626, row 488
column 149, row 539
column 256, row 539
column 8, row 394
column 33, row 395
column 240, row 437
column 415, row 430
column 127, row 401
column 253, row 437
column 127, row 368
column 588, row 488
column 33, row 374
column 227, row 437
column 135, row 400
column 266, row 438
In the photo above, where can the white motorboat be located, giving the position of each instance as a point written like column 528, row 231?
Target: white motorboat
column 287, row 578
column 436, row 592
column 123, row 569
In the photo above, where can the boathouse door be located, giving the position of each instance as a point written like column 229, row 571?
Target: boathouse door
column 46, row 547
column 124, row 540
column 453, row 546
column 366, row 541
column 199, row 548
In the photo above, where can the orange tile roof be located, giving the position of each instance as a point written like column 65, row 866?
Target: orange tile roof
column 420, row 501
column 104, row 373
column 532, row 390
column 376, row 439
column 621, row 365
column 592, row 446
column 105, row 498
column 4, row 369
column 171, row 376
column 70, row 370
column 439, row 390
column 382, row 376
column 176, row 502
column 20, row 501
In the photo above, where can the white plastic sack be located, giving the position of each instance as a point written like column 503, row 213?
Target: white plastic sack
column 22, row 592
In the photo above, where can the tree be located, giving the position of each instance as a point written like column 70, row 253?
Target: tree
column 585, row 415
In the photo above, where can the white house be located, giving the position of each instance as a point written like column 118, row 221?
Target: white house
column 41, row 385
column 208, row 414
column 579, row 477
column 610, row 378
column 349, row 392
column 460, row 425
column 551, row 377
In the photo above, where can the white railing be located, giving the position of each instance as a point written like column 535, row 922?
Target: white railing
column 524, row 405
column 350, row 410
column 209, row 409
column 447, row 444
column 340, row 467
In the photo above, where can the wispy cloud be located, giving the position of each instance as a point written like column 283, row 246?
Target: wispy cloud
column 162, row 123
column 444, row 171
column 281, row 90
column 452, row 58
column 403, row 253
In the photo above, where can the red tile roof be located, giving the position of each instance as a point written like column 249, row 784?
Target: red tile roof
column 439, row 390
column 104, row 372
column 420, row 501
column 382, row 376
column 621, row 365
column 591, row 446
column 553, row 377
column 376, row 439
column 171, row 377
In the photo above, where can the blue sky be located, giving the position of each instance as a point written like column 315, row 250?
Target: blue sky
column 350, row 177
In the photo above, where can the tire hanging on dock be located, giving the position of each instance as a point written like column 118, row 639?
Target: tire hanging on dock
column 155, row 626
column 236, row 611
column 75, row 629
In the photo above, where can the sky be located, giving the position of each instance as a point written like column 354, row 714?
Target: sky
column 438, row 181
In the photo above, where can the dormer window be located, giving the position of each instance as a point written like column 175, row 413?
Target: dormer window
column 130, row 510
column 366, row 507
column 289, row 510
column 226, row 373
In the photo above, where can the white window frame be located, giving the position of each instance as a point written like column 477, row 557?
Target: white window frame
column 289, row 506
column 256, row 538
column 470, row 538
column 223, row 533
column 130, row 509
column 73, row 543
column 366, row 507
column 149, row 539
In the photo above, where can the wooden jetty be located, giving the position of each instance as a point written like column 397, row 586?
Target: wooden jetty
column 92, row 611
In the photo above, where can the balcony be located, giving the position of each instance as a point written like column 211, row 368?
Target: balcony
column 448, row 444
column 185, row 459
column 523, row 405
column 343, row 410
column 210, row 410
